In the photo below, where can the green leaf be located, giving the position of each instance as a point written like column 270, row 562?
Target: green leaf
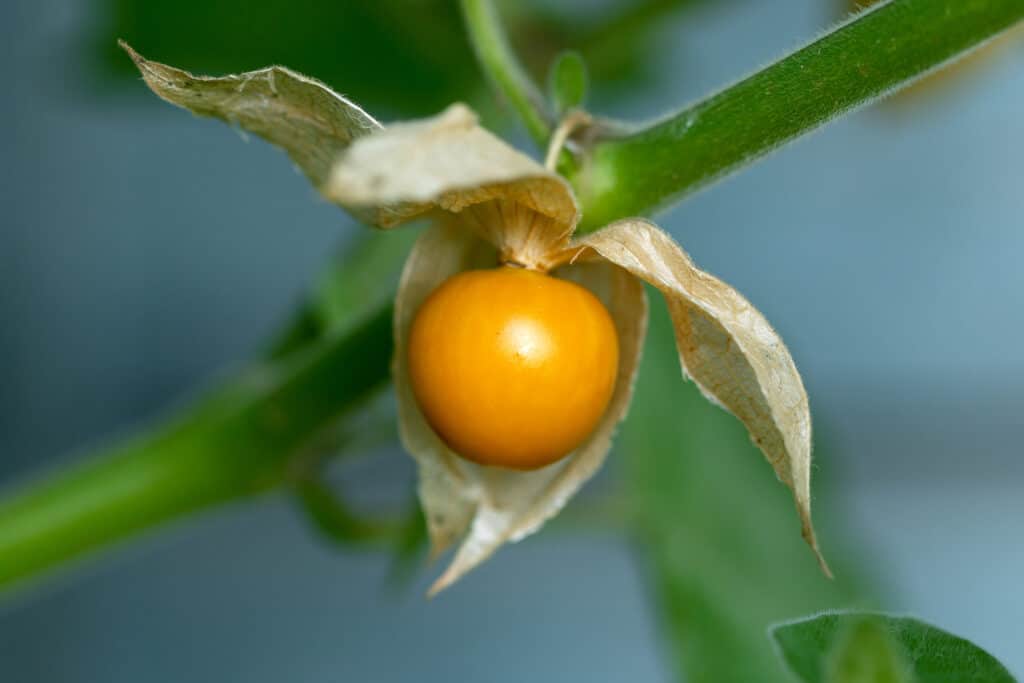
column 567, row 81
column 811, row 646
column 866, row 653
column 716, row 531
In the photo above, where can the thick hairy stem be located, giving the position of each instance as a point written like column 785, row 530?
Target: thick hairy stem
column 861, row 60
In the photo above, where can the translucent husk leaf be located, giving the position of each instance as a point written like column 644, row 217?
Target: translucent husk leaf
column 495, row 505
column 726, row 346
column 299, row 114
column 450, row 162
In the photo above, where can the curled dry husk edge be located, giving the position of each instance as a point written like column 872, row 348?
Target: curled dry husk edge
column 490, row 203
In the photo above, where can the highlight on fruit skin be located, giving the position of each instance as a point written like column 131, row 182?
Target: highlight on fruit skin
column 512, row 367
column 486, row 204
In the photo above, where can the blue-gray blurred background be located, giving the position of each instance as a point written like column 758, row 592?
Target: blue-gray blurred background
column 144, row 252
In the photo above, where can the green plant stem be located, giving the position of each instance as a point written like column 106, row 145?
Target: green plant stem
column 859, row 61
column 504, row 71
column 238, row 442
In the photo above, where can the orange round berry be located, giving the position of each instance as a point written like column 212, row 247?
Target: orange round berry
column 511, row 367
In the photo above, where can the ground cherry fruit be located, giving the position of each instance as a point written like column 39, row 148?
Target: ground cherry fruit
column 511, row 367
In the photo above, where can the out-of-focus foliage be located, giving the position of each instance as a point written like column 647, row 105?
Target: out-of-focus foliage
column 717, row 530
column 840, row 648
column 405, row 56
column 396, row 57
column 567, row 81
column 358, row 280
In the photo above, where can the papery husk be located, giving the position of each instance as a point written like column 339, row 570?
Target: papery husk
column 299, row 114
column 493, row 204
column 726, row 346
column 498, row 505
column 390, row 175
column 450, row 162
column 445, row 487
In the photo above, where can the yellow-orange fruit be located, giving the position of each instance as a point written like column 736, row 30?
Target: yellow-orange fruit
column 512, row 368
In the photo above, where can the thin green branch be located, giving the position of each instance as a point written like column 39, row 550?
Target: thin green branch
column 333, row 517
column 503, row 69
column 237, row 443
column 871, row 55
column 253, row 433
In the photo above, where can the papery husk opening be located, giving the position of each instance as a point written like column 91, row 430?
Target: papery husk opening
column 450, row 162
column 498, row 505
column 726, row 346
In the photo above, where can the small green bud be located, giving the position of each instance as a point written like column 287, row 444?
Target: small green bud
column 567, row 82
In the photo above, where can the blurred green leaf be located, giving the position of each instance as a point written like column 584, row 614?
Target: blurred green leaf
column 718, row 532
column 360, row 279
column 810, row 646
column 866, row 653
column 390, row 55
column 394, row 57
column 615, row 40
column 567, row 81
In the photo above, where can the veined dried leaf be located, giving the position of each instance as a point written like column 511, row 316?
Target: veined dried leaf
column 726, row 346
column 497, row 505
column 301, row 115
column 450, row 162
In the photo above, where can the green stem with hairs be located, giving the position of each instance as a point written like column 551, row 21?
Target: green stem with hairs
column 863, row 59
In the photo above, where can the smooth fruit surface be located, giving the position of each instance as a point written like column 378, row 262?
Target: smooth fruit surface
column 512, row 368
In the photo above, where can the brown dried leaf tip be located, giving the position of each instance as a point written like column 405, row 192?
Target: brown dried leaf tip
column 489, row 203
